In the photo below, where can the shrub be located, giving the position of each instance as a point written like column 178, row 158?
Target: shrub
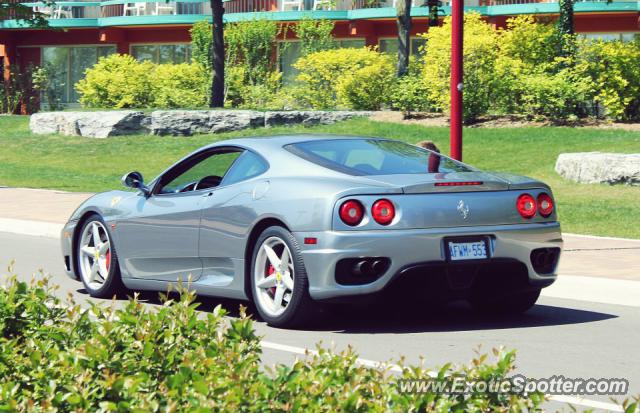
column 179, row 86
column 533, row 43
column 409, row 93
column 43, row 82
column 201, row 41
column 315, row 35
column 349, row 78
column 480, row 52
column 251, row 44
column 117, row 81
column 16, row 92
column 558, row 96
column 56, row 357
column 614, row 69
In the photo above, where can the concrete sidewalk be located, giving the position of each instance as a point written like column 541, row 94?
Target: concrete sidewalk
column 583, row 255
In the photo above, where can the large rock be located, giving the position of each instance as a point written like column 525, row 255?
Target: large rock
column 190, row 122
column 90, row 124
column 308, row 117
column 598, row 167
column 175, row 122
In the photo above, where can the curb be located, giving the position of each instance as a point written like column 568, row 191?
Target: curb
column 31, row 228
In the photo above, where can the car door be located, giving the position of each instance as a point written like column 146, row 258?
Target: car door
column 160, row 240
column 226, row 217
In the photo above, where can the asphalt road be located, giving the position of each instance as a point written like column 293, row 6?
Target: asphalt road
column 579, row 339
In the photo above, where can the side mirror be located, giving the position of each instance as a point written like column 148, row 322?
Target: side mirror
column 136, row 181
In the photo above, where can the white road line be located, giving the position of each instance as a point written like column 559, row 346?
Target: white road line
column 595, row 290
column 303, row 352
column 31, row 228
column 577, row 401
column 599, row 237
column 594, row 404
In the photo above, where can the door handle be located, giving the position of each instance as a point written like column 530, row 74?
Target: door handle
column 207, row 194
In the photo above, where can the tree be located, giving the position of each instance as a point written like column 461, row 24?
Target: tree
column 565, row 28
column 403, row 13
column 315, row 35
column 217, row 56
column 14, row 10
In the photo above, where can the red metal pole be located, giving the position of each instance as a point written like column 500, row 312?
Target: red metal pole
column 457, row 17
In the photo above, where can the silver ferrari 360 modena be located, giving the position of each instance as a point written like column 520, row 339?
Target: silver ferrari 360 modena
column 292, row 221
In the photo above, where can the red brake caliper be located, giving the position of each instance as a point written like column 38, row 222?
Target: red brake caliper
column 271, row 271
column 108, row 259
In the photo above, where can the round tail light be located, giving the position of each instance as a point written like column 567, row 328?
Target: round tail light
column 383, row 211
column 351, row 212
column 545, row 204
column 526, row 206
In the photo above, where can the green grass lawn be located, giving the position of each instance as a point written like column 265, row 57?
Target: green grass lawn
column 82, row 164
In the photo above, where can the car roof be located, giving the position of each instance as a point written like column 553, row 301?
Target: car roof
column 273, row 141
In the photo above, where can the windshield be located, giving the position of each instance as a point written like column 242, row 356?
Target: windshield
column 374, row 157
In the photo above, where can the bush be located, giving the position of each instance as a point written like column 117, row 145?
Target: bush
column 179, row 86
column 120, row 81
column 480, row 53
column 16, row 92
column 116, row 82
column 56, row 357
column 315, row 35
column 409, row 93
column 201, row 41
column 533, row 43
column 251, row 44
column 558, row 96
column 346, row 78
column 614, row 69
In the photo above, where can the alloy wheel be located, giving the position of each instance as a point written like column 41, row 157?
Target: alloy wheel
column 273, row 276
column 95, row 255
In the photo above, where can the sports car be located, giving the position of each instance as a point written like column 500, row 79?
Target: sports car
column 290, row 222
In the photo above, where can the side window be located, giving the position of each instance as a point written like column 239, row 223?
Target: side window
column 247, row 166
column 202, row 172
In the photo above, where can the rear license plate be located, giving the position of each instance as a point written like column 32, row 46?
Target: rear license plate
column 468, row 250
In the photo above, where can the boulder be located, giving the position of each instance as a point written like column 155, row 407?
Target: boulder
column 103, row 124
column 89, row 124
column 190, row 122
column 308, row 117
column 598, row 167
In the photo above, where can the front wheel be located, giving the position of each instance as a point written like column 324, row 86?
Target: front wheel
column 511, row 303
column 279, row 281
column 97, row 261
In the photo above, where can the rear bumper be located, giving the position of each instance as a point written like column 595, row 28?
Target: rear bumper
column 421, row 249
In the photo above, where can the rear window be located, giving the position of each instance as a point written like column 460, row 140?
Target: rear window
column 374, row 157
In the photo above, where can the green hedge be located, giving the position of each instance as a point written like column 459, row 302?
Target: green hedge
column 57, row 356
column 518, row 70
column 120, row 81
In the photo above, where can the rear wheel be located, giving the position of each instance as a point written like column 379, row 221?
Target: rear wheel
column 279, row 281
column 511, row 303
column 97, row 261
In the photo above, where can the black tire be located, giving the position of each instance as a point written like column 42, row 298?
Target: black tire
column 113, row 285
column 511, row 303
column 301, row 306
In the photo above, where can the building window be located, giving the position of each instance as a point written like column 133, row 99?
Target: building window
column 162, row 53
column 69, row 64
column 390, row 45
column 625, row 37
column 288, row 54
column 350, row 43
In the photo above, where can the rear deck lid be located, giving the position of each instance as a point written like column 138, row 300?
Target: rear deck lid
column 443, row 182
